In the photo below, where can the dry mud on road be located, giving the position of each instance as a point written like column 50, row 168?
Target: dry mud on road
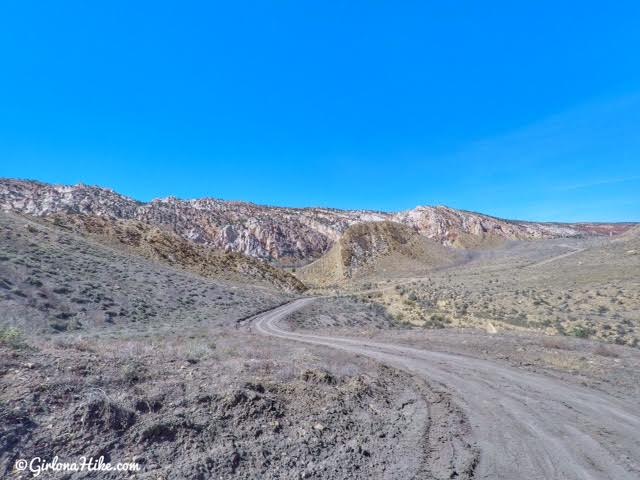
column 525, row 425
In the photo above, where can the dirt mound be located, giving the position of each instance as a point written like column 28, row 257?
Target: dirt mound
column 167, row 247
column 220, row 417
column 369, row 250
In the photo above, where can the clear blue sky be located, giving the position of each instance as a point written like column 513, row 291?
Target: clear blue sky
column 518, row 109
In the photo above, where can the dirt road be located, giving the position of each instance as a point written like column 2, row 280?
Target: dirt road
column 557, row 257
column 525, row 425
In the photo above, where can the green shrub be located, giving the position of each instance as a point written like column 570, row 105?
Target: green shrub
column 581, row 331
column 11, row 337
column 437, row 320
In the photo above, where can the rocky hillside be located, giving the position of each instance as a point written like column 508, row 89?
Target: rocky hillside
column 288, row 236
column 169, row 248
column 283, row 234
column 377, row 249
column 462, row 229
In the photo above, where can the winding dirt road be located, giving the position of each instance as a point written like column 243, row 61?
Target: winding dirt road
column 525, row 425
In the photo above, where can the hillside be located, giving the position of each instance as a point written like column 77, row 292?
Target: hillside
column 285, row 236
column 631, row 236
column 377, row 249
column 167, row 247
column 52, row 279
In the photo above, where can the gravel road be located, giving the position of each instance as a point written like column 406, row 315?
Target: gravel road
column 525, row 425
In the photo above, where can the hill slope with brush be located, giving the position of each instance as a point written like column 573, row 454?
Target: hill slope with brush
column 377, row 249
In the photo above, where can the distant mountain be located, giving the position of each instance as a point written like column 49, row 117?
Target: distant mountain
column 286, row 236
column 379, row 250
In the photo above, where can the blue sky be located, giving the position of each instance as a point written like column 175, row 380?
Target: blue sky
column 524, row 110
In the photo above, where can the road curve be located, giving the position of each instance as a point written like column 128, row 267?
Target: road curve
column 526, row 425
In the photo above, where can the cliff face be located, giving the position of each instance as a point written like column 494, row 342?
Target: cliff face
column 285, row 235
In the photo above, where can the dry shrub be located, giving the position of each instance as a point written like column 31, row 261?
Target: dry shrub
column 73, row 343
column 557, row 343
column 100, row 412
column 563, row 361
column 605, row 351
